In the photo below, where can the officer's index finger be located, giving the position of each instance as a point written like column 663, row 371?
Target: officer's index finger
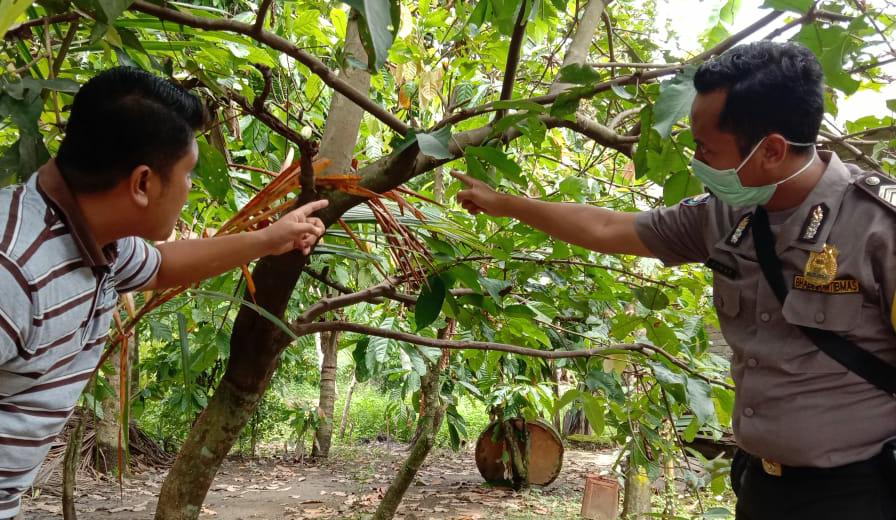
column 311, row 207
column 466, row 179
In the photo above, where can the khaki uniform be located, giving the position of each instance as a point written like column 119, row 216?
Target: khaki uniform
column 794, row 404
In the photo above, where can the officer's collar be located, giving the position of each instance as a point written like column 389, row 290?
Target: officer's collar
column 809, row 226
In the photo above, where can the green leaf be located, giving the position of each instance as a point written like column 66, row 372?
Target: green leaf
column 571, row 395
column 494, row 287
column 429, row 302
column 112, row 9
column 680, row 186
column 578, row 74
column 620, row 91
column 498, row 159
column 691, row 431
column 477, row 170
column 799, row 6
column 10, row 10
column 359, row 354
column 567, row 103
column 436, row 144
column 651, row 297
column 594, row 411
column 184, row 350
column 700, row 400
column 467, row 275
column 382, row 19
column 211, row 169
column 59, row 85
column 674, row 101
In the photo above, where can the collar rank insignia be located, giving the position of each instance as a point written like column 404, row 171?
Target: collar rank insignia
column 697, row 200
column 814, row 221
column 740, row 231
column 821, row 268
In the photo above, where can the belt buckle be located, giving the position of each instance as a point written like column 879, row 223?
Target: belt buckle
column 771, row 467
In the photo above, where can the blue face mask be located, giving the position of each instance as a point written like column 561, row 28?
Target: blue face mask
column 726, row 185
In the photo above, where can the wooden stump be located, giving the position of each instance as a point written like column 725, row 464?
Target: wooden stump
column 545, row 453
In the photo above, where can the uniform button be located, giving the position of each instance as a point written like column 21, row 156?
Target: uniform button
column 752, row 362
column 819, row 317
column 764, row 316
column 872, row 181
column 748, row 412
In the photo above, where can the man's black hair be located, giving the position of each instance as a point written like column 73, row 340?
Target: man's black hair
column 772, row 88
column 122, row 118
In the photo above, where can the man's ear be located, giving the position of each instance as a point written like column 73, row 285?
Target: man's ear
column 774, row 151
column 141, row 185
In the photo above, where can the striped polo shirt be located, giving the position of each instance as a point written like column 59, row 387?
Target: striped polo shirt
column 58, row 291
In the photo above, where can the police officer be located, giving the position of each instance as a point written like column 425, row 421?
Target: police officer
column 811, row 432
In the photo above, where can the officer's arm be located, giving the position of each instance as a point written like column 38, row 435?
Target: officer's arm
column 598, row 229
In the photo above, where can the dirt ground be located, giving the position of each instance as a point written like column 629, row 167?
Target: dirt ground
column 349, row 485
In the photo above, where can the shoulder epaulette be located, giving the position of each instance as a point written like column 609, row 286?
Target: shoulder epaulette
column 881, row 187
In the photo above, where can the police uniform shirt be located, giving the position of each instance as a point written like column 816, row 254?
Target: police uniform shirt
column 794, row 404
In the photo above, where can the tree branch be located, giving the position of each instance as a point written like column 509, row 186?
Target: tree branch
column 262, row 14
column 64, row 47
column 625, row 65
column 647, row 350
column 21, row 30
column 595, row 131
column 513, row 57
column 283, row 45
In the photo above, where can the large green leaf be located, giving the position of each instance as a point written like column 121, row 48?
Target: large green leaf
column 212, row 171
column 429, row 302
column 435, row 144
column 10, row 10
column 499, row 160
column 674, row 101
column 680, row 186
column 382, row 19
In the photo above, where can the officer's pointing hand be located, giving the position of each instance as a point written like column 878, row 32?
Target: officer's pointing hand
column 478, row 197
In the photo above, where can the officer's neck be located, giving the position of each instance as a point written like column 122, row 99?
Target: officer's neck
column 794, row 192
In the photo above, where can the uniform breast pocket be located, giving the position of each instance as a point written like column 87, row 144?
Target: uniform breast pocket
column 833, row 312
column 726, row 299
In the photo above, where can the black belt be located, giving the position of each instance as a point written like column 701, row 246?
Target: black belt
column 874, row 465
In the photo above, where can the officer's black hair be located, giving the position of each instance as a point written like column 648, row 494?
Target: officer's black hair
column 122, row 118
column 772, row 88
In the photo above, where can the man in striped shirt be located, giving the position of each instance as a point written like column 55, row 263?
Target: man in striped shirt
column 71, row 242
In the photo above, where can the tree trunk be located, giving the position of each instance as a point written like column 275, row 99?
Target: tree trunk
column 324, row 434
column 348, row 406
column 108, row 428
column 427, row 427
column 636, row 505
column 256, row 343
column 432, row 411
column 70, row 468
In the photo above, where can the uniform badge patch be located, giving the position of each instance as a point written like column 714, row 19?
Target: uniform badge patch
column 696, row 200
column 740, row 231
column 821, row 268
